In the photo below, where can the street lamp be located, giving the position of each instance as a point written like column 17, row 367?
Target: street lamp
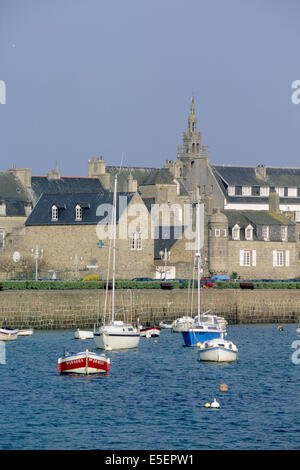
column 38, row 253
column 76, row 263
column 165, row 255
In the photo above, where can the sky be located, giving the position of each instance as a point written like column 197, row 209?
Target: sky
column 114, row 78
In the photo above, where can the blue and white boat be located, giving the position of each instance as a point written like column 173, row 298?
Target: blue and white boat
column 204, row 327
column 203, row 330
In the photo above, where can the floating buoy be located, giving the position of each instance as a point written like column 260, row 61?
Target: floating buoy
column 223, row 388
column 207, row 405
column 155, row 341
column 280, row 328
column 215, row 404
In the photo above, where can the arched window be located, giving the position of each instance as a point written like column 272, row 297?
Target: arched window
column 54, row 212
column 78, row 212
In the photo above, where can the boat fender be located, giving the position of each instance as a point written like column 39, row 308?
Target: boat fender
column 198, row 344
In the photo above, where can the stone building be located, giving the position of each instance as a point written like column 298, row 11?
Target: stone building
column 73, row 233
column 253, row 244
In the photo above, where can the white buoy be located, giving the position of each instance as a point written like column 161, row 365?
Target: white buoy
column 215, row 404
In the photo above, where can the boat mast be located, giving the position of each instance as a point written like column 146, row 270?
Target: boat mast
column 198, row 255
column 114, row 248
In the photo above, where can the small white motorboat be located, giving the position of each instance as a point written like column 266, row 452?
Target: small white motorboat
column 8, row 334
column 83, row 334
column 166, row 324
column 25, row 332
column 218, row 350
column 85, row 362
column 298, row 329
column 182, row 324
column 150, row 331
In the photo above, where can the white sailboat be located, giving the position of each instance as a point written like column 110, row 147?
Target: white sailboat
column 83, row 334
column 116, row 334
column 203, row 327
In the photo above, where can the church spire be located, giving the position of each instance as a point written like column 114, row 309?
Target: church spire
column 192, row 120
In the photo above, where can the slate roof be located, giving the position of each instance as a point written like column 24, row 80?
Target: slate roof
column 159, row 176
column 13, row 193
column 255, row 218
column 138, row 173
column 67, row 184
column 245, row 176
column 66, row 203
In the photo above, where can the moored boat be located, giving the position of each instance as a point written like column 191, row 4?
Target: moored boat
column 218, row 350
column 166, row 324
column 8, row 334
column 85, row 362
column 202, row 331
column 116, row 334
column 182, row 323
column 298, row 329
column 25, row 332
column 150, row 331
column 83, row 334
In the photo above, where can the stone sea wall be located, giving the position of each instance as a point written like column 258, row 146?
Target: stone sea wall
column 57, row 309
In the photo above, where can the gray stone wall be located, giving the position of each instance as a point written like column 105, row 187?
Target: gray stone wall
column 83, row 308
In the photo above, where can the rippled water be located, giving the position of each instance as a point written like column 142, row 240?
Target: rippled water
column 154, row 396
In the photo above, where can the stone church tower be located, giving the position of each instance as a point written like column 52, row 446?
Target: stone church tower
column 192, row 167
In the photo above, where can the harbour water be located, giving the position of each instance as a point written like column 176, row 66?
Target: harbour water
column 153, row 398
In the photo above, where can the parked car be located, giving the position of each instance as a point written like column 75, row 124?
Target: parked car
column 220, row 277
column 143, row 279
column 207, row 282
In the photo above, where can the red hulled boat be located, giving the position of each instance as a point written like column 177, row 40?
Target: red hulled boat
column 85, row 362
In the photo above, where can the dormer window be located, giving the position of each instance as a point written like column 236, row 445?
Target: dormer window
column 231, row 190
column 54, row 211
column 265, row 232
column 246, row 190
column 249, row 232
column 236, row 232
column 280, row 191
column 78, row 212
column 264, row 191
column 284, row 233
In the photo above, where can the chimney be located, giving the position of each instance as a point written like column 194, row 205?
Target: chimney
column 274, row 203
column 53, row 175
column 261, row 172
column 130, row 185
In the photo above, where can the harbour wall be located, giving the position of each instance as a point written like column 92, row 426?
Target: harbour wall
column 61, row 309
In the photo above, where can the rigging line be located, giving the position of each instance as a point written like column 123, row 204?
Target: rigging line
column 193, row 285
column 107, row 280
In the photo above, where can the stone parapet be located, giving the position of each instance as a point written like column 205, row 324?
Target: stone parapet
column 56, row 309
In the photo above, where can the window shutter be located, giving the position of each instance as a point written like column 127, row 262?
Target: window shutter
column 241, row 257
column 287, row 258
column 253, row 257
column 274, row 258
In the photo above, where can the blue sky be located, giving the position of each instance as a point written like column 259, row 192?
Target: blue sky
column 87, row 78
